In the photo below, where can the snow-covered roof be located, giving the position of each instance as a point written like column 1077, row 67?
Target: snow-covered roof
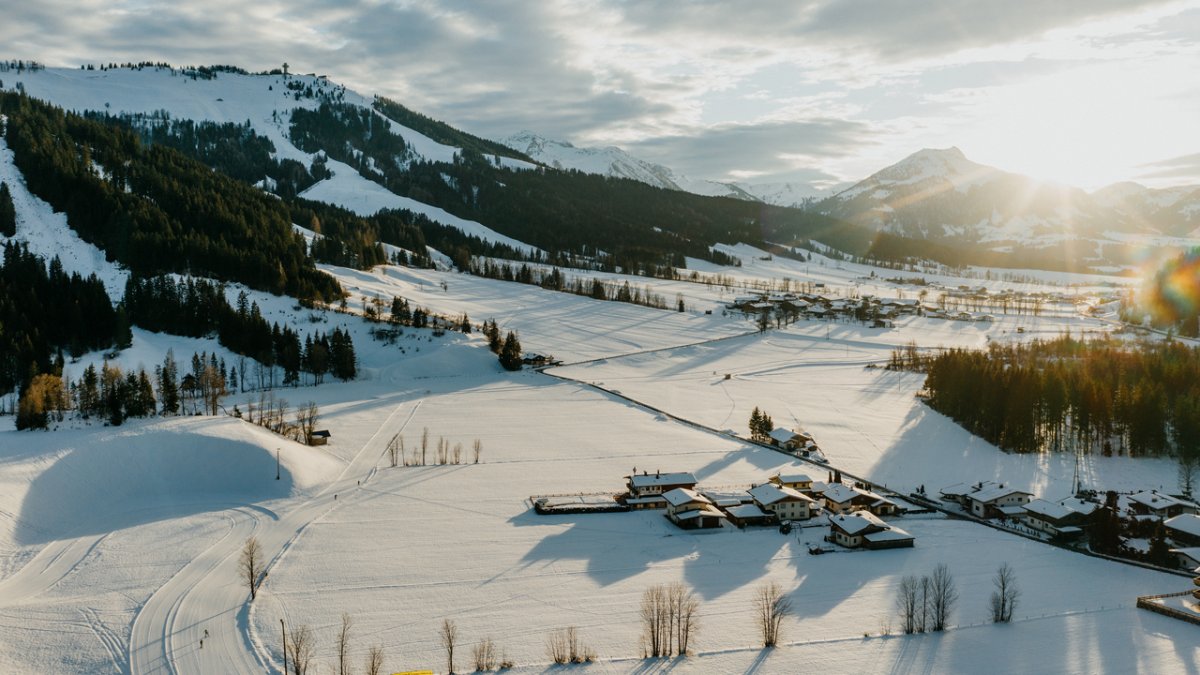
column 1080, row 505
column 1157, row 500
column 682, row 496
column 840, row 494
column 746, row 511
column 770, row 493
column 782, row 435
column 959, row 489
column 793, row 478
column 857, row 522
column 1050, row 510
column 1192, row 552
column 991, row 494
column 890, row 534
column 1186, row 523
column 696, row 513
column 652, row 479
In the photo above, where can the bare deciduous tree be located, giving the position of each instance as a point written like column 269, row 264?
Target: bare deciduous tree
column 375, row 660
column 477, row 447
column 907, row 595
column 306, row 420
column 485, row 655
column 252, row 565
column 343, row 645
column 449, row 636
column 564, row 646
column 771, row 607
column 1004, row 598
column 942, row 596
column 300, row 649
column 424, row 444
column 457, row 453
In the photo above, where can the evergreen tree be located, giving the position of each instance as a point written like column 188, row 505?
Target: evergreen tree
column 8, row 213
column 510, row 352
column 1159, row 552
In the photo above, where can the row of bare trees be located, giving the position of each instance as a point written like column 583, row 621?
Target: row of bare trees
column 668, row 620
column 443, row 452
column 271, row 413
column 299, row 644
column 486, row 655
column 925, row 603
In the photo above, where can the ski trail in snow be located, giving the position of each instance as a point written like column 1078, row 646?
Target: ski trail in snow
column 52, row 564
column 208, row 593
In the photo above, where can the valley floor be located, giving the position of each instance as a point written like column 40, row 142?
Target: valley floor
column 119, row 547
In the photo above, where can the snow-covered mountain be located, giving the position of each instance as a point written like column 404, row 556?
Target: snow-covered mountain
column 939, row 194
column 613, row 161
column 1172, row 211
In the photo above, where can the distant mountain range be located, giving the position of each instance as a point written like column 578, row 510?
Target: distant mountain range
column 368, row 154
column 935, row 195
column 613, row 161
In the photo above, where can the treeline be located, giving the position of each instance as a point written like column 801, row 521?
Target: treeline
column 152, row 208
column 1100, row 396
column 555, row 280
column 233, row 149
column 198, row 308
column 114, row 396
column 44, row 311
column 444, row 133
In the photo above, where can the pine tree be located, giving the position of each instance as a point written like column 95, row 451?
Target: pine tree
column 8, row 213
column 510, row 353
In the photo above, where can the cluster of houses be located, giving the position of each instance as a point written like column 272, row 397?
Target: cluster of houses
column 1069, row 518
column 823, row 306
column 854, row 510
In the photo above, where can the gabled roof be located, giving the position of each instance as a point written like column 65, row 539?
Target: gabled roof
column 890, row 534
column 746, row 511
column 682, row 496
column 1186, row 523
column 793, row 478
column 1080, row 505
column 1050, row 510
column 857, row 523
column 991, row 494
column 770, row 493
column 696, row 513
column 782, row 435
column 1157, row 500
column 840, row 493
column 650, row 479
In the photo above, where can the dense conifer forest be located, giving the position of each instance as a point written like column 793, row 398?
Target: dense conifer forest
column 155, row 210
column 44, row 312
column 1100, row 396
column 623, row 223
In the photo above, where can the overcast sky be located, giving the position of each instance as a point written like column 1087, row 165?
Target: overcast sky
column 1082, row 91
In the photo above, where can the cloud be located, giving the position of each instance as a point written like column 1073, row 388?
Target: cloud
column 1186, row 167
column 687, row 84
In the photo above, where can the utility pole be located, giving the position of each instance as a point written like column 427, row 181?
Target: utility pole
column 277, row 468
column 283, row 628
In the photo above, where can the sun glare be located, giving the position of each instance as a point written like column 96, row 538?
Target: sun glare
column 1087, row 127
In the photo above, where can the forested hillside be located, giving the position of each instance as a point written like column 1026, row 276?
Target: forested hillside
column 155, row 210
column 622, row 222
column 1094, row 397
